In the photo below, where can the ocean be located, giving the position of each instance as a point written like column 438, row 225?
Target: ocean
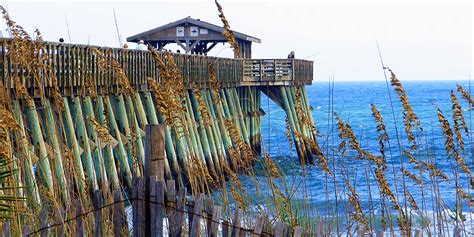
column 352, row 102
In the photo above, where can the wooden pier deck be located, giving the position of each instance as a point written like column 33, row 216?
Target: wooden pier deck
column 74, row 64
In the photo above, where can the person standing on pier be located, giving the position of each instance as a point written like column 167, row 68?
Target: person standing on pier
column 291, row 55
column 141, row 45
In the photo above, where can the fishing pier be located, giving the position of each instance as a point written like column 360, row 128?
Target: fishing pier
column 83, row 111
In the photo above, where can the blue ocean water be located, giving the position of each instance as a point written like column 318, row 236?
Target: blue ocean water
column 352, row 100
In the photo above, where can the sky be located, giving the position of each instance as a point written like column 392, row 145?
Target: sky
column 419, row 40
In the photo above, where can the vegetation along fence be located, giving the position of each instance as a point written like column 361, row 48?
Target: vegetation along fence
column 157, row 209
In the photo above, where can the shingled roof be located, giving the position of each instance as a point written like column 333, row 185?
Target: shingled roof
column 190, row 21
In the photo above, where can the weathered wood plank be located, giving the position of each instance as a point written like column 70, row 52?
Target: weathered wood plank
column 237, row 222
column 119, row 218
column 44, row 222
column 216, row 216
column 298, row 231
column 259, row 225
column 25, row 231
column 155, row 151
column 176, row 216
column 138, row 205
column 209, row 207
column 157, row 207
column 60, row 221
column 197, row 216
column 280, row 229
column 79, row 220
column 98, row 214
column 6, row 229
column 225, row 228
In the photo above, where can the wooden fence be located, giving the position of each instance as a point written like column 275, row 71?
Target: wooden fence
column 153, row 200
column 165, row 211
column 74, row 65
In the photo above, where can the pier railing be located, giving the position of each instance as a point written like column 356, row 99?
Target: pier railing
column 278, row 72
column 74, row 65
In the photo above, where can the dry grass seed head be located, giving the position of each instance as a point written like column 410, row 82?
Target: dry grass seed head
column 459, row 120
column 354, row 200
column 410, row 118
column 202, row 107
column 465, row 94
column 412, row 176
column 228, row 33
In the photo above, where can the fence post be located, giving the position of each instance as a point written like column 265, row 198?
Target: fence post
column 320, row 227
column 6, row 229
column 225, row 229
column 60, row 221
column 216, row 216
column 44, row 222
column 80, row 224
column 154, row 168
column 197, row 214
column 457, row 231
column 361, row 230
column 237, row 223
column 138, row 206
column 176, row 217
column 155, row 151
column 25, row 231
column 298, row 231
column 209, row 211
column 98, row 218
column 157, row 206
column 119, row 214
column 259, row 225
column 281, row 229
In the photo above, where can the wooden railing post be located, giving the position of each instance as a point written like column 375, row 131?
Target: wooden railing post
column 154, row 169
column 155, row 151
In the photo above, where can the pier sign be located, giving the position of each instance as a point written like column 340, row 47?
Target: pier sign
column 194, row 31
column 180, row 31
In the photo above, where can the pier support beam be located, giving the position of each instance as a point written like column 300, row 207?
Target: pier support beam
column 293, row 100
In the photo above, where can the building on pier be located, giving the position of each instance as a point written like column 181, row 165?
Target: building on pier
column 194, row 36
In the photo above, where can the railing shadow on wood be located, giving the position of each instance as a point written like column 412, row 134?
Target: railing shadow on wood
column 73, row 65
